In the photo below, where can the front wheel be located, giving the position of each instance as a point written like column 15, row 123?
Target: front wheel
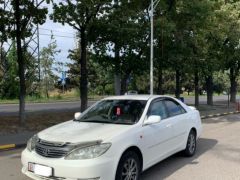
column 191, row 144
column 128, row 167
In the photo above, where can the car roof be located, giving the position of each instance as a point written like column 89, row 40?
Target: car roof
column 135, row 97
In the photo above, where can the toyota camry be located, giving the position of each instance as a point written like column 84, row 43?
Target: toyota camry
column 115, row 139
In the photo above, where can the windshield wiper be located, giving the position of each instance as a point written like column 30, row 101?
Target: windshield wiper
column 107, row 122
column 96, row 121
column 125, row 123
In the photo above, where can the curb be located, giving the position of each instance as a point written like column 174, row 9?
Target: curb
column 219, row 114
column 12, row 146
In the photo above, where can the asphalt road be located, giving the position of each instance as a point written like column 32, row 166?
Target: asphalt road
column 12, row 109
column 217, row 157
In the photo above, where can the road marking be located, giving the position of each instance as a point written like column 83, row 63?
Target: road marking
column 7, row 146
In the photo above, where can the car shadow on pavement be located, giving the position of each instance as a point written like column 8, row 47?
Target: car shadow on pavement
column 170, row 165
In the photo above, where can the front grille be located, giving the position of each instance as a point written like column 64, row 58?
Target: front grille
column 52, row 150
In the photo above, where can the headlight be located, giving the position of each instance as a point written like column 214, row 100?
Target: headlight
column 89, row 152
column 32, row 143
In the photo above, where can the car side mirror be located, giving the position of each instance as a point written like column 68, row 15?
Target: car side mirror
column 153, row 119
column 77, row 115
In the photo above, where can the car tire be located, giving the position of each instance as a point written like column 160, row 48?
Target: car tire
column 191, row 144
column 128, row 167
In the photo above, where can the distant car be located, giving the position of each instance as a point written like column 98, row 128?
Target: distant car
column 132, row 92
column 117, row 138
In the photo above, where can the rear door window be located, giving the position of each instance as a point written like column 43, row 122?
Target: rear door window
column 174, row 108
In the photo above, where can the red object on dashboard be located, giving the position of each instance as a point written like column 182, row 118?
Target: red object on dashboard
column 118, row 111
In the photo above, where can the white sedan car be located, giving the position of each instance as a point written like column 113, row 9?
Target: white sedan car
column 115, row 139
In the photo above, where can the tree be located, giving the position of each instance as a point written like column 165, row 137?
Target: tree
column 122, row 40
column 81, row 15
column 9, row 82
column 164, row 28
column 47, row 60
column 4, row 34
column 74, row 70
column 23, row 16
column 188, row 40
column 3, row 63
column 99, row 75
column 5, row 24
column 229, row 14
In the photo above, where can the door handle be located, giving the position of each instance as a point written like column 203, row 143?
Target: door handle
column 169, row 126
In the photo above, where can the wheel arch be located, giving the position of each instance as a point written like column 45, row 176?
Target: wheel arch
column 194, row 130
column 137, row 151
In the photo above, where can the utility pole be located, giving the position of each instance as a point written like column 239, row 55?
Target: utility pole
column 151, row 56
column 151, row 10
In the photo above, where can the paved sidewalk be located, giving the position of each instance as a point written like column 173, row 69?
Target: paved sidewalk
column 218, row 108
column 15, row 140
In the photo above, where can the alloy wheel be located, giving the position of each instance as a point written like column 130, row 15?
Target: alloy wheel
column 130, row 170
column 191, row 143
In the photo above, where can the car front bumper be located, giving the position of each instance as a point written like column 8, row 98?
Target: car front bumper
column 91, row 169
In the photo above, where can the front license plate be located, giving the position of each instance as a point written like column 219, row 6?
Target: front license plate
column 40, row 169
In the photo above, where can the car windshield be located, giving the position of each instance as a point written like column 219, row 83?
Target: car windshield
column 115, row 112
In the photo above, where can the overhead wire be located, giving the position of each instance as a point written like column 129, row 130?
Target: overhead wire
column 43, row 34
column 52, row 30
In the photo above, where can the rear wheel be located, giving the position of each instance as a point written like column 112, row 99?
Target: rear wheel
column 191, row 144
column 128, row 167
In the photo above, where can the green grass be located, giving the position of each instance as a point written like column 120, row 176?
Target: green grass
column 54, row 97
column 30, row 99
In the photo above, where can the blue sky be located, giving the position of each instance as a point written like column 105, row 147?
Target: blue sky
column 64, row 35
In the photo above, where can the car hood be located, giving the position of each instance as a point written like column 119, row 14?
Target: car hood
column 78, row 132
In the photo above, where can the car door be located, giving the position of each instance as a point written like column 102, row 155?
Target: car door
column 178, row 120
column 157, row 137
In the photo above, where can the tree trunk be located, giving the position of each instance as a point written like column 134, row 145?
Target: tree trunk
column 160, row 81
column 196, row 85
column 117, row 75
column 103, row 89
column 83, row 73
column 178, row 88
column 21, row 65
column 233, row 88
column 209, row 87
column 47, row 85
column 117, row 83
column 124, row 85
column 160, row 69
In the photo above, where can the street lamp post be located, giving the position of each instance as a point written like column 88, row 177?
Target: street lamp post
column 151, row 9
